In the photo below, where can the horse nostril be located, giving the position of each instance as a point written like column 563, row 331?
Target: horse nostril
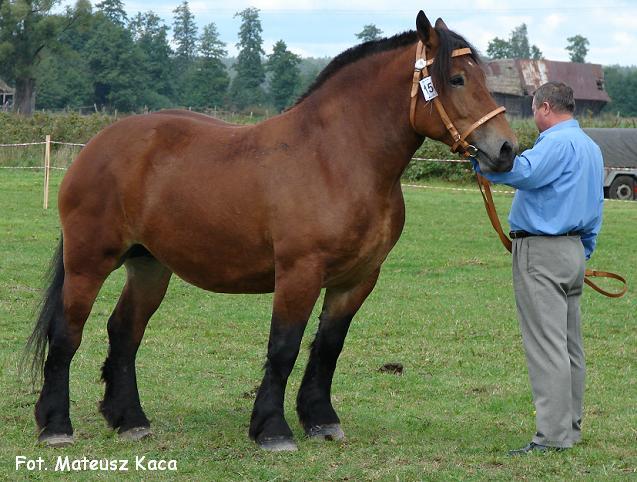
column 507, row 154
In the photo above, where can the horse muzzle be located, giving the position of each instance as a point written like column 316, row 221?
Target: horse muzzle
column 496, row 157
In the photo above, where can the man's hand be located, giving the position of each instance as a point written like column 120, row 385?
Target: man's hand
column 476, row 165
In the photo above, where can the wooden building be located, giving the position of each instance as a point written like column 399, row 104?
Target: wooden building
column 6, row 95
column 513, row 82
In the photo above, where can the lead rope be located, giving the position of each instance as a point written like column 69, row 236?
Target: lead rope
column 487, row 197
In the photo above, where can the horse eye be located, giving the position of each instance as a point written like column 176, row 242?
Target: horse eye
column 457, row 81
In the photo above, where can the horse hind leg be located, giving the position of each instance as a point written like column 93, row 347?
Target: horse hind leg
column 313, row 403
column 66, row 307
column 146, row 284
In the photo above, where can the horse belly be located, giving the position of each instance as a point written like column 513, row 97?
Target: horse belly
column 218, row 265
column 220, row 244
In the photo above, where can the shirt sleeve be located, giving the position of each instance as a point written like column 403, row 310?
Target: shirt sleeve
column 589, row 238
column 535, row 167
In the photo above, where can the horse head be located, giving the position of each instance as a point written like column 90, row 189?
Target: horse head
column 459, row 110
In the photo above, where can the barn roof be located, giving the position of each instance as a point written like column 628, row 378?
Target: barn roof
column 521, row 77
column 5, row 88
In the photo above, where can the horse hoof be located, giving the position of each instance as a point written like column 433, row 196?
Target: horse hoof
column 330, row 431
column 278, row 444
column 136, row 433
column 56, row 440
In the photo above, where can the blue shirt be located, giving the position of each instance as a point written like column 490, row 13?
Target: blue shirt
column 560, row 185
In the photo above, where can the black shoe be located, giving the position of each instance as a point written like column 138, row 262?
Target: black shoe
column 533, row 447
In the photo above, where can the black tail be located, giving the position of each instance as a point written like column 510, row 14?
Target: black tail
column 51, row 311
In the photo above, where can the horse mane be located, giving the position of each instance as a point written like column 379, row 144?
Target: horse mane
column 440, row 70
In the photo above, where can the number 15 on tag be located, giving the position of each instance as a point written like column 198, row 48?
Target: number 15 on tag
column 428, row 89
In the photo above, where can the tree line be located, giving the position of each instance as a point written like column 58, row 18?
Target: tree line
column 99, row 57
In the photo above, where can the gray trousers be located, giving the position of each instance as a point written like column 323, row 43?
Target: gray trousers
column 548, row 276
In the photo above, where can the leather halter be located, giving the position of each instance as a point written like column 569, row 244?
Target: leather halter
column 459, row 140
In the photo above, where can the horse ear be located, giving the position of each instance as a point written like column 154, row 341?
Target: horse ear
column 441, row 24
column 424, row 28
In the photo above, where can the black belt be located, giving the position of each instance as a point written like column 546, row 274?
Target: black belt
column 525, row 234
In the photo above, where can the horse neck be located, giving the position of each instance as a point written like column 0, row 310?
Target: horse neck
column 365, row 109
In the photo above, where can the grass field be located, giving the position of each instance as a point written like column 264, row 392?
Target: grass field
column 443, row 308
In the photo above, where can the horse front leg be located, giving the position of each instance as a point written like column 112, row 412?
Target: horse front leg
column 296, row 292
column 313, row 403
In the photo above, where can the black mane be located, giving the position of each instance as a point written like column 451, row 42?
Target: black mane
column 449, row 41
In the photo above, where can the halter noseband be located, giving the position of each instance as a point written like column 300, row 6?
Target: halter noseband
column 420, row 70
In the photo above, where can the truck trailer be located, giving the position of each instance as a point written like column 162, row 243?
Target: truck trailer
column 619, row 149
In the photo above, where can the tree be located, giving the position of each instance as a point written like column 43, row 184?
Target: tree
column 116, row 65
column 28, row 31
column 151, row 35
column 185, row 32
column 519, row 41
column 577, row 48
column 246, row 87
column 621, row 85
column 517, row 47
column 210, row 46
column 64, row 80
column 370, row 32
column 114, row 11
column 208, row 80
column 536, row 53
column 499, row 49
column 284, row 67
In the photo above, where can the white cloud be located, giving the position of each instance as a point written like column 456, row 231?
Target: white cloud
column 624, row 39
column 319, row 49
column 554, row 21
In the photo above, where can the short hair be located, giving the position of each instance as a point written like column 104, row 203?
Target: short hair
column 558, row 95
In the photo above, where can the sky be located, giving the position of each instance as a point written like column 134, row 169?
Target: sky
column 325, row 28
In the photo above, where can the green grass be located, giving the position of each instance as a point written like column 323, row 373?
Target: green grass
column 443, row 308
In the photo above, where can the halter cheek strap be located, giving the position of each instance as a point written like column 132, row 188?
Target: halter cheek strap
column 459, row 140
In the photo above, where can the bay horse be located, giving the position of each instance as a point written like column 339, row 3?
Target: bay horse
column 306, row 200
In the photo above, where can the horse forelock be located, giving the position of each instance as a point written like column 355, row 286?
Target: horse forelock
column 440, row 70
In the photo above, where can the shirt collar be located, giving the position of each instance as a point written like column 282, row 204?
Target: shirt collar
column 567, row 124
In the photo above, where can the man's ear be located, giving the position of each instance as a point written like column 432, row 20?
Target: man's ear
column 426, row 33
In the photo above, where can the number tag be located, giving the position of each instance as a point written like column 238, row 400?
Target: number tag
column 428, row 89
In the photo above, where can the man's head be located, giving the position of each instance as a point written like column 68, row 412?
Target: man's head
column 552, row 103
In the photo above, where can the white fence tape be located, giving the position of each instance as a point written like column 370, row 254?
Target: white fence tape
column 24, row 144
column 34, row 167
column 439, row 160
column 67, row 143
column 444, row 188
column 417, row 186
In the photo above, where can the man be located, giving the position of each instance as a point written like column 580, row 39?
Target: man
column 555, row 218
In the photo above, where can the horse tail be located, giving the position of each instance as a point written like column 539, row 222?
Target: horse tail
column 51, row 313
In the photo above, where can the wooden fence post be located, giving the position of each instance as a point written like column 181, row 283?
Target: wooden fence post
column 47, row 170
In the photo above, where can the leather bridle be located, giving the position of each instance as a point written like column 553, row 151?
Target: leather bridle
column 459, row 140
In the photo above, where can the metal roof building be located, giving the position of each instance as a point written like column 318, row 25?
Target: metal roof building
column 513, row 82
